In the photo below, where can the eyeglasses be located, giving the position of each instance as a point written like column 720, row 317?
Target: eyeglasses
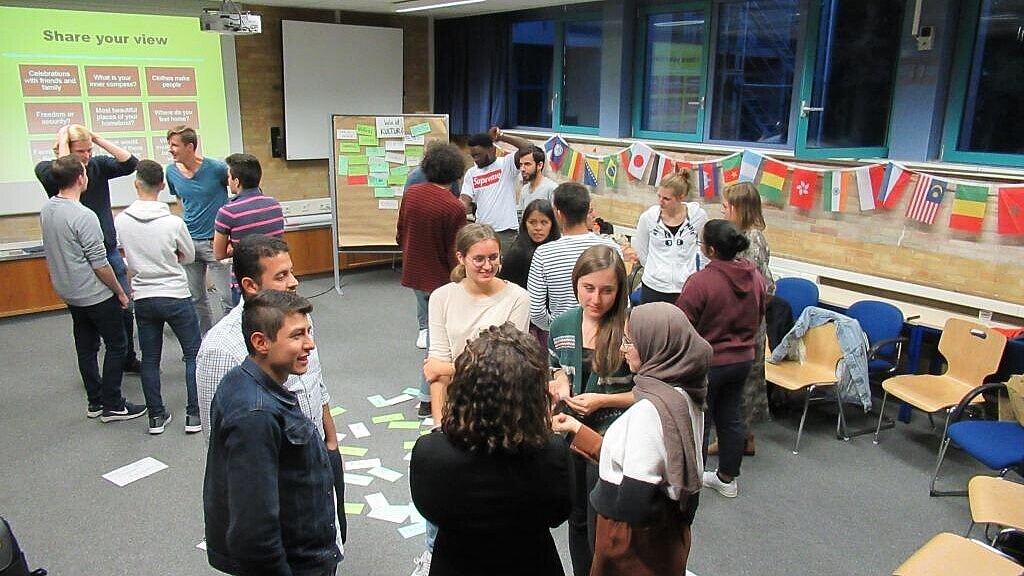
column 478, row 261
column 627, row 342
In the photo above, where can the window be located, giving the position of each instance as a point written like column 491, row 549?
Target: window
column 533, row 49
column 984, row 122
column 671, row 101
column 581, row 75
column 755, row 61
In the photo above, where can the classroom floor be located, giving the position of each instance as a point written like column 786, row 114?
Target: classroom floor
column 836, row 508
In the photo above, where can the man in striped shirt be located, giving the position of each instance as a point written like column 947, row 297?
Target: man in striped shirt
column 550, row 279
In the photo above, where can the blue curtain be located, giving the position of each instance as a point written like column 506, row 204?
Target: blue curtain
column 471, row 70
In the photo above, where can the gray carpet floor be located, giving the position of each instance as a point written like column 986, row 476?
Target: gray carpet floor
column 840, row 508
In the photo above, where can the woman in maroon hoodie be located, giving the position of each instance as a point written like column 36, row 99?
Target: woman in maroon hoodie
column 725, row 302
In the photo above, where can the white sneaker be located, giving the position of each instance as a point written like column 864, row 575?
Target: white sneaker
column 727, row 489
column 422, row 564
column 421, row 340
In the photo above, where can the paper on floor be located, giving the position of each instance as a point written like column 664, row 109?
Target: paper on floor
column 358, row 479
column 359, row 430
column 362, row 464
column 140, row 469
column 384, row 473
column 410, row 530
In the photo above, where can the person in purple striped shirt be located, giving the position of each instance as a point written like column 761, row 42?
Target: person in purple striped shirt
column 250, row 212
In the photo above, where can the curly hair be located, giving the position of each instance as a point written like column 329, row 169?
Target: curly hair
column 498, row 400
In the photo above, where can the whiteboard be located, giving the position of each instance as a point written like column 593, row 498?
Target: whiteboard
column 336, row 69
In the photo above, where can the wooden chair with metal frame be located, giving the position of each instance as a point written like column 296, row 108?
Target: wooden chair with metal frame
column 995, row 502
column 817, row 370
column 972, row 352
column 948, row 553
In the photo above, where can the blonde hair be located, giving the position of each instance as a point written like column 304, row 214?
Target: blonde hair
column 76, row 133
column 746, row 206
column 607, row 341
column 469, row 236
column 680, row 183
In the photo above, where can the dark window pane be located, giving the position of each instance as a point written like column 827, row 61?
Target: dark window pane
column 533, row 48
column 581, row 84
column 858, row 47
column 754, row 64
column 992, row 119
column 672, row 73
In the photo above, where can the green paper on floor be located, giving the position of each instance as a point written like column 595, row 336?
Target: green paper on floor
column 388, row 418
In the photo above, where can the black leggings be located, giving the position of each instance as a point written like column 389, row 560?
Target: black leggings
column 725, row 394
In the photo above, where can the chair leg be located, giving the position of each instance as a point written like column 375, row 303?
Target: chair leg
column 881, row 415
column 943, row 446
column 841, row 432
column 800, row 430
column 969, row 528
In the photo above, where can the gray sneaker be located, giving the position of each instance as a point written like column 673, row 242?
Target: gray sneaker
column 192, row 424
column 126, row 412
column 158, row 423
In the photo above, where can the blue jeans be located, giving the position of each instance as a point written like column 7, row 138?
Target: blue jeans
column 128, row 320
column 90, row 325
column 180, row 314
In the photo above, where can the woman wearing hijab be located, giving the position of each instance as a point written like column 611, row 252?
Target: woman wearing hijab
column 650, row 458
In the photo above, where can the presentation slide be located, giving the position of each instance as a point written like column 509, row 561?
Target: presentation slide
column 127, row 77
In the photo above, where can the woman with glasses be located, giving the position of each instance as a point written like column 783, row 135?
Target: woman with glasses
column 650, row 457
column 591, row 379
column 666, row 240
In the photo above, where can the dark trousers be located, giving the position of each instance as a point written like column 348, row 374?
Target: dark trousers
column 91, row 324
column 648, row 295
column 127, row 316
column 583, row 519
column 180, row 314
column 725, row 395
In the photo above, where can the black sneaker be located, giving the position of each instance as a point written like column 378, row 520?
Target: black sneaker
column 133, row 365
column 126, row 412
column 424, row 410
column 192, row 424
column 94, row 410
column 157, row 423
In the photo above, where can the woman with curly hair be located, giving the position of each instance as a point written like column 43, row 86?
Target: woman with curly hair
column 493, row 478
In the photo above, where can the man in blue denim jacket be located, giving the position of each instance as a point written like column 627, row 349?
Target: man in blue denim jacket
column 268, row 492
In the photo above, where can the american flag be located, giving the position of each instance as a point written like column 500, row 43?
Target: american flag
column 928, row 194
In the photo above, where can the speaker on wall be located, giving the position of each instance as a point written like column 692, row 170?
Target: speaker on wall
column 276, row 142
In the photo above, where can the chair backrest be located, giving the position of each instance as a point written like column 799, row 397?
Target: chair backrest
column 879, row 320
column 822, row 346
column 799, row 292
column 972, row 350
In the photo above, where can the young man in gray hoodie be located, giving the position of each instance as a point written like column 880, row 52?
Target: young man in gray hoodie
column 156, row 245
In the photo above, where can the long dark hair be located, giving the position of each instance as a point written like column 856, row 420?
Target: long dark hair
column 498, row 399
column 723, row 236
column 523, row 240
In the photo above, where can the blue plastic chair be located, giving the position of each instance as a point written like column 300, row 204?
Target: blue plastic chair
column 799, row 292
column 882, row 323
column 996, row 444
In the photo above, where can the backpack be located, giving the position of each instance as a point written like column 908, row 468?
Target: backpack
column 12, row 559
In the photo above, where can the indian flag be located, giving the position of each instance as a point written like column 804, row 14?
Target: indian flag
column 833, row 193
column 969, row 205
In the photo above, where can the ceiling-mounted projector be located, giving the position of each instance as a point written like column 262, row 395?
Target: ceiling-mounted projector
column 230, row 20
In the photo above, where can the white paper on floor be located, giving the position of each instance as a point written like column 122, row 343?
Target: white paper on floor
column 410, row 530
column 377, row 500
column 359, row 430
column 397, row 399
column 340, row 435
column 140, row 469
column 394, row 514
column 428, row 422
column 363, row 464
column 385, row 473
column 201, row 545
column 408, row 457
column 358, row 479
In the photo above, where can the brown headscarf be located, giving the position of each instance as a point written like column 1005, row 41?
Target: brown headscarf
column 672, row 355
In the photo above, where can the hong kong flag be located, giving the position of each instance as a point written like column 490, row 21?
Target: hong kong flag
column 804, row 188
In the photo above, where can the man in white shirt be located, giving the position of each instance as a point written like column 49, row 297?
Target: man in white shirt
column 536, row 186
column 491, row 184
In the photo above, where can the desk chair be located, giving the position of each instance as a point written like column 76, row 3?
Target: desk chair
column 951, row 554
column 882, row 323
column 995, row 501
column 799, row 292
column 972, row 352
column 818, row 369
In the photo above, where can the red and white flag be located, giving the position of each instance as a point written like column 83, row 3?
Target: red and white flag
column 639, row 158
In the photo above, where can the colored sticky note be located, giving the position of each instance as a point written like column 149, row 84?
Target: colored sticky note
column 400, row 170
column 358, row 171
column 408, row 445
column 349, row 148
column 419, row 129
column 403, row 425
column 356, row 160
column 395, row 157
column 383, row 193
column 337, row 411
column 352, row 451
column 413, row 160
column 387, row 418
column 377, row 181
column 366, row 130
column 370, row 140
column 342, row 165
column 354, row 508
column 356, row 180
column 414, row 151
column 378, row 165
column 396, row 179
column 411, row 390
column 376, row 152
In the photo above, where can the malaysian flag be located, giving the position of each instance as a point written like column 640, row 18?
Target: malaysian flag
column 928, row 194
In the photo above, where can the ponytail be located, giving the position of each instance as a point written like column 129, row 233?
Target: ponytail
column 724, row 238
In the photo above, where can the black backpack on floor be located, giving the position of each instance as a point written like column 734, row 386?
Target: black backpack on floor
column 12, row 560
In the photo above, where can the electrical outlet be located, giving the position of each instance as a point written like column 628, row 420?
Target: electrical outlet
column 324, row 205
column 288, row 208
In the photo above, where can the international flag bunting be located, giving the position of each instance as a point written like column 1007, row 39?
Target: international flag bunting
column 730, row 169
column 591, row 168
column 623, row 158
column 773, row 176
column 575, row 164
column 969, row 205
column 893, row 183
column 611, row 171
column 926, row 200
column 662, row 168
column 681, row 165
column 803, row 188
column 556, row 149
column 869, row 184
column 833, row 194
column 1011, row 210
column 708, row 175
column 640, row 157
column 748, row 166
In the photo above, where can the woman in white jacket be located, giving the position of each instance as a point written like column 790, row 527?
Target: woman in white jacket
column 667, row 240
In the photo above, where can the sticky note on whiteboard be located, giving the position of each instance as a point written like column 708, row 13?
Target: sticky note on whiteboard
column 387, row 204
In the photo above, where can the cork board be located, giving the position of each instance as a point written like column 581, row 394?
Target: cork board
column 371, row 157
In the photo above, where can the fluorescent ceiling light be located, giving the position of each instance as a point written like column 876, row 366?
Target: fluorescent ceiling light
column 678, row 23
column 437, row 5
